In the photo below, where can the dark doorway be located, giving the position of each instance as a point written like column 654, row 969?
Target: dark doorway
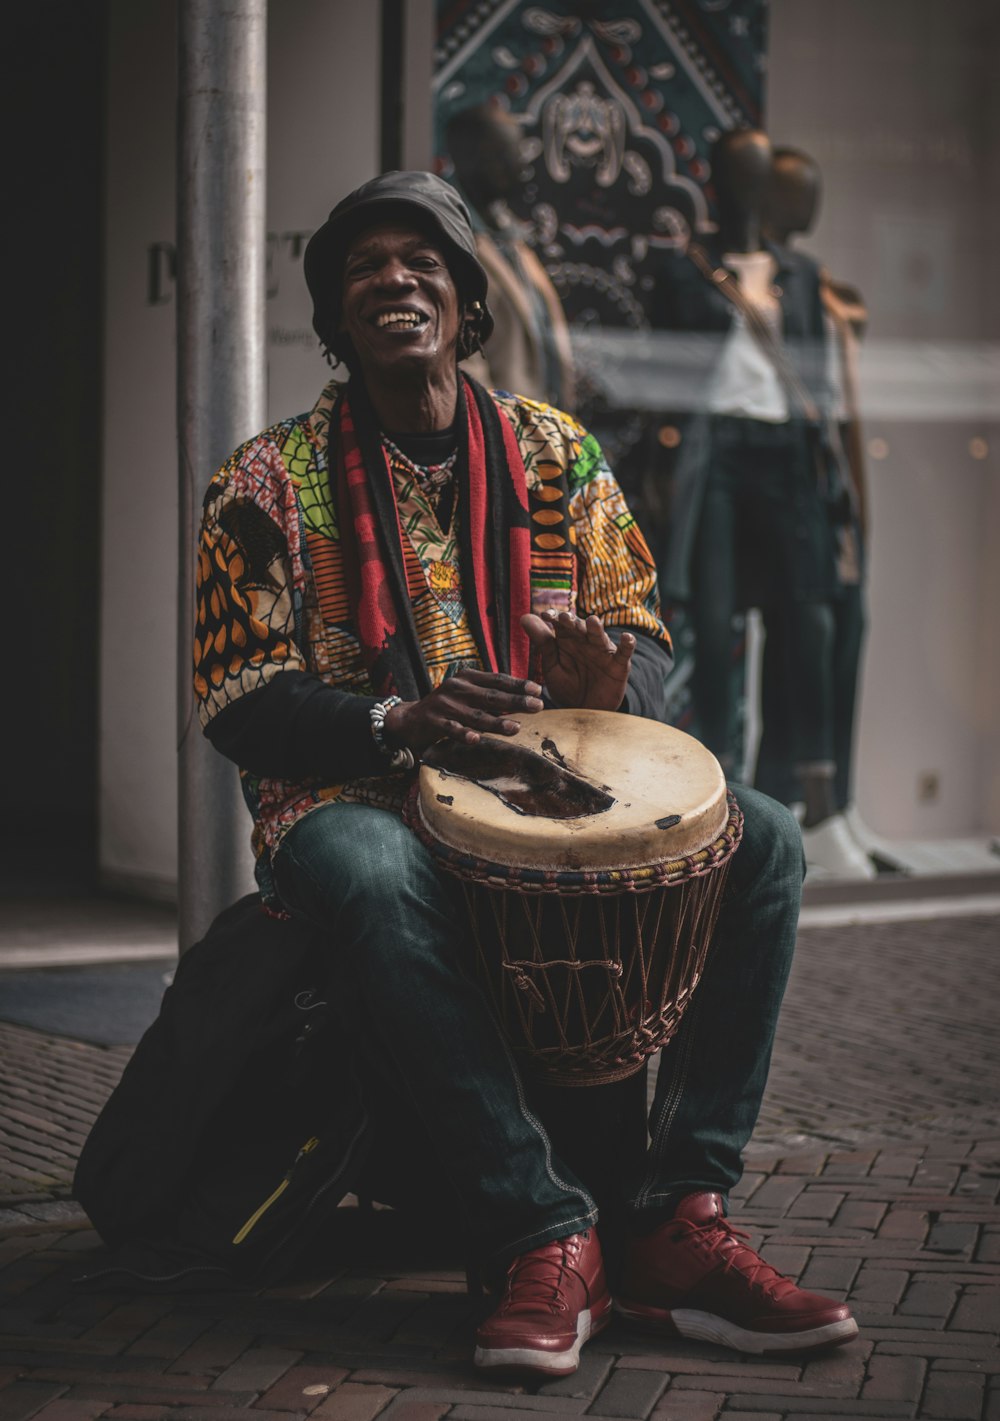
column 55, row 81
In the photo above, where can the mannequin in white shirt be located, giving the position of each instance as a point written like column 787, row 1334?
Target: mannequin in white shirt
column 758, row 519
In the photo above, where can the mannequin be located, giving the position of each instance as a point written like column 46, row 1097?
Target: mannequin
column 792, row 206
column 529, row 350
column 751, row 517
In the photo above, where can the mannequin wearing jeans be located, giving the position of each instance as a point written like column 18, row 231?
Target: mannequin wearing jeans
column 842, row 846
column 750, row 524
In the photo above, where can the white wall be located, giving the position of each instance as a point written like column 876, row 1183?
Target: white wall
column 323, row 96
column 894, row 98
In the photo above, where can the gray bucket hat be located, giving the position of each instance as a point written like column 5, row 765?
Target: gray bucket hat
column 431, row 200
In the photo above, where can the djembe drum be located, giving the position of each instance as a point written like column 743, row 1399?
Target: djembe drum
column 591, row 849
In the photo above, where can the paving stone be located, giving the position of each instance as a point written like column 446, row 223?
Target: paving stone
column 880, row 1284
column 214, row 1350
column 895, row 1165
column 402, row 1409
column 978, row 1310
column 431, row 1324
column 822, row 1406
column 466, row 1411
column 907, row 1224
column 629, row 1393
column 302, row 1388
column 64, row 1410
column 843, row 1415
column 733, row 1369
column 953, row 1395
column 960, row 1238
column 749, row 1384
column 936, row 1174
column 989, row 1247
column 777, row 1193
column 138, row 1413
column 223, row 1413
column 354, row 1403
column 25, row 1398
column 586, row 1382
column 170, row 1336
column 751, row 1415
column 930, row 1349
column 850, row 1162
column 929, row 1299
column 111, row 1374
column 814, row 1204
column 895, row 1378
column 826, row 1273
column 861, row 1214
column 806, row 1163
column 846, row 1365
column 689, row 1406
column 216, row 1403
column 507, row 1405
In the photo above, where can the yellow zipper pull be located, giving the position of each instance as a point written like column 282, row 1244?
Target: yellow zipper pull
column 262, row 1209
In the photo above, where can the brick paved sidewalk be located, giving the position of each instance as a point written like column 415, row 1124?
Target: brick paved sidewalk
column 889, row 1041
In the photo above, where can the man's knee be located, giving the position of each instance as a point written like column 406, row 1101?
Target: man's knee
column 352, row 861
column 772, row 839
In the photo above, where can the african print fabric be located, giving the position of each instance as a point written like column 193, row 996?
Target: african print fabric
column 272, row 593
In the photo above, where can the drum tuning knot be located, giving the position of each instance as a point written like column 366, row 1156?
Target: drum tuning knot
column 524, row 984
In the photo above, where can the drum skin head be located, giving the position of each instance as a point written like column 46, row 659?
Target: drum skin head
column 667, row 794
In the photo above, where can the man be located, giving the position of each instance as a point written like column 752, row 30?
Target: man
column 529, row 348
column 373, row 578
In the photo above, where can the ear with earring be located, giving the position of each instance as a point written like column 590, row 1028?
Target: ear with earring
column 471, row 327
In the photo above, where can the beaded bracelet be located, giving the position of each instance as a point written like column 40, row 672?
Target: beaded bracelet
column 401, row 759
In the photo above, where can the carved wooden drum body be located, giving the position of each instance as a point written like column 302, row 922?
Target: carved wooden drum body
column 592, row 850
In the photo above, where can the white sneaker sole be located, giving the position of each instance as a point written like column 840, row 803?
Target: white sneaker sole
column 552, row 1364
column 707, row 1327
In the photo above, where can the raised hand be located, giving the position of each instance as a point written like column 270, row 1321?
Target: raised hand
column 462, row 707
column 580, row 664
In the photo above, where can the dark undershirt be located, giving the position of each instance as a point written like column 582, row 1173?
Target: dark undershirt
column 426, row 449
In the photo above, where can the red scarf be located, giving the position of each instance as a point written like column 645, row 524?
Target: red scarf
column 491, row 506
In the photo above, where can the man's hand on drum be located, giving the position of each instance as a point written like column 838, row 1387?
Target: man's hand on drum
column 580, row 664
column 461, row 708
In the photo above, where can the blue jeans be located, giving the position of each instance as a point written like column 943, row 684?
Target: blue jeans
column 396, row 932
column 764, row 538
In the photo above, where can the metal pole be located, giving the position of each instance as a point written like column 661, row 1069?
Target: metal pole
column 220, row 384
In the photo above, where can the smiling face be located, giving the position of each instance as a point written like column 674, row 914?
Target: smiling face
column 400, row 304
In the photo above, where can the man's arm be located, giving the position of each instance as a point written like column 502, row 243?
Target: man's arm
column 258, row 703
column 296, row 728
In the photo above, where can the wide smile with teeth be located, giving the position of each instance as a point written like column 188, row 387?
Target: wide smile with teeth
column 400, row 320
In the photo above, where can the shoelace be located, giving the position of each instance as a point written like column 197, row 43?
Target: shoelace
column 738, row 1256
column 536, row 1279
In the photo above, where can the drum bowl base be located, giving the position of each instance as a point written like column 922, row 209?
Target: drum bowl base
column 614, row 996
column 588, row 980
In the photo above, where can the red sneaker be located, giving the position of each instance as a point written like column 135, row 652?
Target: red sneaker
column 692, row 1276
column 555, row 1298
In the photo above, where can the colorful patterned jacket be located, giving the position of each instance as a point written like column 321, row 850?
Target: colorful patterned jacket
column 273, row 609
